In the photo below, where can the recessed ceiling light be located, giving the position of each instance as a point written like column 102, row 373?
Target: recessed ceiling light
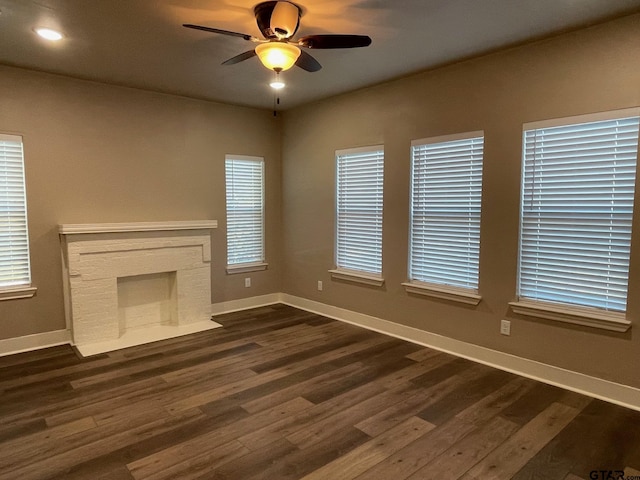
column 49, row 34
column 277, row 85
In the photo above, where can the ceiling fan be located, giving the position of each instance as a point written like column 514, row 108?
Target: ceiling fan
column 279, row 21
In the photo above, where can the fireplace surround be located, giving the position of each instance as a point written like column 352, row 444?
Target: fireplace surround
column 131, row 283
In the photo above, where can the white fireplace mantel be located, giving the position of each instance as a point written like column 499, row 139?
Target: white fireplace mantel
column 132, row 283
column 70, row 229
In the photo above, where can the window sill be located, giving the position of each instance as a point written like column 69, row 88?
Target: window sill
column 580, row 316
column 17, row 292
column 357, row 277
column 455, row 294
column 246, row 267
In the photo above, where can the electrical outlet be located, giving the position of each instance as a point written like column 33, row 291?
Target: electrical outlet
column 320, row 285
column 247, row 282
column 505, row 327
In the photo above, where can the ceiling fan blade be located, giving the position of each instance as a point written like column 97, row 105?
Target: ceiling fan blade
column 240, row 58
column 335, row 41
column 307, row 62
column 223, row 32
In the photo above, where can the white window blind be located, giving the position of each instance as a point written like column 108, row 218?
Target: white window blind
column 14, row 240
column 359, row 209
column 245, row 209
column 577, row 206
column 446, row 191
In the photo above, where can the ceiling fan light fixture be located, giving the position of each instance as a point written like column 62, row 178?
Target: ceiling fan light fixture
column 284, row 19
column 278, row 56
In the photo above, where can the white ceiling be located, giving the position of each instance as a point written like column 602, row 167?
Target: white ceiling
column 141, row 43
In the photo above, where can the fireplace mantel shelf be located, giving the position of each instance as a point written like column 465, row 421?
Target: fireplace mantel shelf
column 71, row 229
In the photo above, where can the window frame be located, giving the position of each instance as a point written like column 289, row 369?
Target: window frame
column 342, row 272
column 24, row 289
column 254, row 265
column 558, row 311
column 443, row 290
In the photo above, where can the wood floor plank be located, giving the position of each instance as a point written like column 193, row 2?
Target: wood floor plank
column 467, row 394
column 421, row 398
column 595, row 440
column 212, row 369
column 532, row 403
column 300, row 333
column 19, row 429
column 23, row 446
column 157, row 364
column 247, row 465
column 203, row 443
column 48, row 405
column 301, row 389
column 571, row 476
column 497, row 401
column 69, row 372
column 299, row 463
column 33, row 366
column 179, row 389
column 303, row 420
column 198, row 466
column 512, row 455
column 442, row 372
column 42, row 357
column 133, row 413
column 307, row 353
column 428, row 353
column 458, row 459
column 391, row 362
column 149, row 441
column 419, row 368
column 119, row 472
column 368, row 455
column 108, row 400
column 215, row 394
column 408, row 460
column 324, row 428
column 60, row 457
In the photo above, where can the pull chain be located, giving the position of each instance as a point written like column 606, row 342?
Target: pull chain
column 277, row 84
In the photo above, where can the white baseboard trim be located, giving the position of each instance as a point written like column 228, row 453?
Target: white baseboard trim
column 612, row 392
column 36, row 341
column 244, row 303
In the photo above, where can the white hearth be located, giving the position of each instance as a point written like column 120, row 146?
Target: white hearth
column 132, row 283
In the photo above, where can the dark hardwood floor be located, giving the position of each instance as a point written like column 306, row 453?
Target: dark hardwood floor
column 279, row 393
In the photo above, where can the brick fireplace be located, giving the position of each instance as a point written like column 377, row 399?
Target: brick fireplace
column 132, row 283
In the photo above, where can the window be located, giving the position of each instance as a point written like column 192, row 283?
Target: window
column 577, row 207
column 15, row 273
column 245, row 213
column 446, row 189
column 359, row 215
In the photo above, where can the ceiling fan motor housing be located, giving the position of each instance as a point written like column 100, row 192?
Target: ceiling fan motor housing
column 278, row 19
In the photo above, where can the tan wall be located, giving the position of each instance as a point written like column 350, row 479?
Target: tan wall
column 97, row 153
column 589, row 71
